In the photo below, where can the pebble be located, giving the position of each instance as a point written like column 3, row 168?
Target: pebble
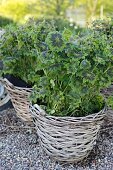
column 20, row 150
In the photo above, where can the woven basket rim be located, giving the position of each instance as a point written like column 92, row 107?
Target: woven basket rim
column 19, row 97
column 43, row 113
column 9, row 83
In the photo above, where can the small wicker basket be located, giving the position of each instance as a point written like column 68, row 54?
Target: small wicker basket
column 19, row 97
column 68, row 139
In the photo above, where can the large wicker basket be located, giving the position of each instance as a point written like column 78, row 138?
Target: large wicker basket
column 68, row 139
column 19, row 97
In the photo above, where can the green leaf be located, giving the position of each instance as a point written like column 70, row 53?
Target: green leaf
column 110, row 101
column 52, row 83
column 67, row 34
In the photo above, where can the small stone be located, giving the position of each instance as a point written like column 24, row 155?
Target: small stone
column 99, row 160
column 1, row 145
column 58, row 167
column 105, row 159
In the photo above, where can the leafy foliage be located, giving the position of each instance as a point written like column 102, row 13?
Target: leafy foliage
column 5, row 21
column 59, row 23
column 105, row 27
column 67, row 70
column 55, row 41
column 20, row 46
column 74, row 71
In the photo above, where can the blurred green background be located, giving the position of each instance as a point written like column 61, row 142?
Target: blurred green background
column 82, row 12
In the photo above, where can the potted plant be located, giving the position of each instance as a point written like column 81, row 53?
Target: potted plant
column 106, row 27
column 72, row 107
column 19, row 48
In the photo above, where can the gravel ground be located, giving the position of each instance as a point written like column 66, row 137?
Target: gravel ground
column 20, row 150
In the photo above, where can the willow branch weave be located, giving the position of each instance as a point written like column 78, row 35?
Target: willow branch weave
column 68, row 139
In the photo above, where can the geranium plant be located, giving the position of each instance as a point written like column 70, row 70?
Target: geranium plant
column 60, row 23
column 104, row 26
column 20, row 46
column 74, row 71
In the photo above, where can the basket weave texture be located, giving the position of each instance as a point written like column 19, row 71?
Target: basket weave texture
column 68, row 139
column 19, row 97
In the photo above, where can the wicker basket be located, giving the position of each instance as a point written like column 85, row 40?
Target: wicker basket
column 19, row 97
column 68, row 139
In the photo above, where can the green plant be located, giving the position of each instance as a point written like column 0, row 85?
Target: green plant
column 20, row 46
column 74, row 71
column 106, row 27
column 103, row 27
column 60, row 23
column 5, row 21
